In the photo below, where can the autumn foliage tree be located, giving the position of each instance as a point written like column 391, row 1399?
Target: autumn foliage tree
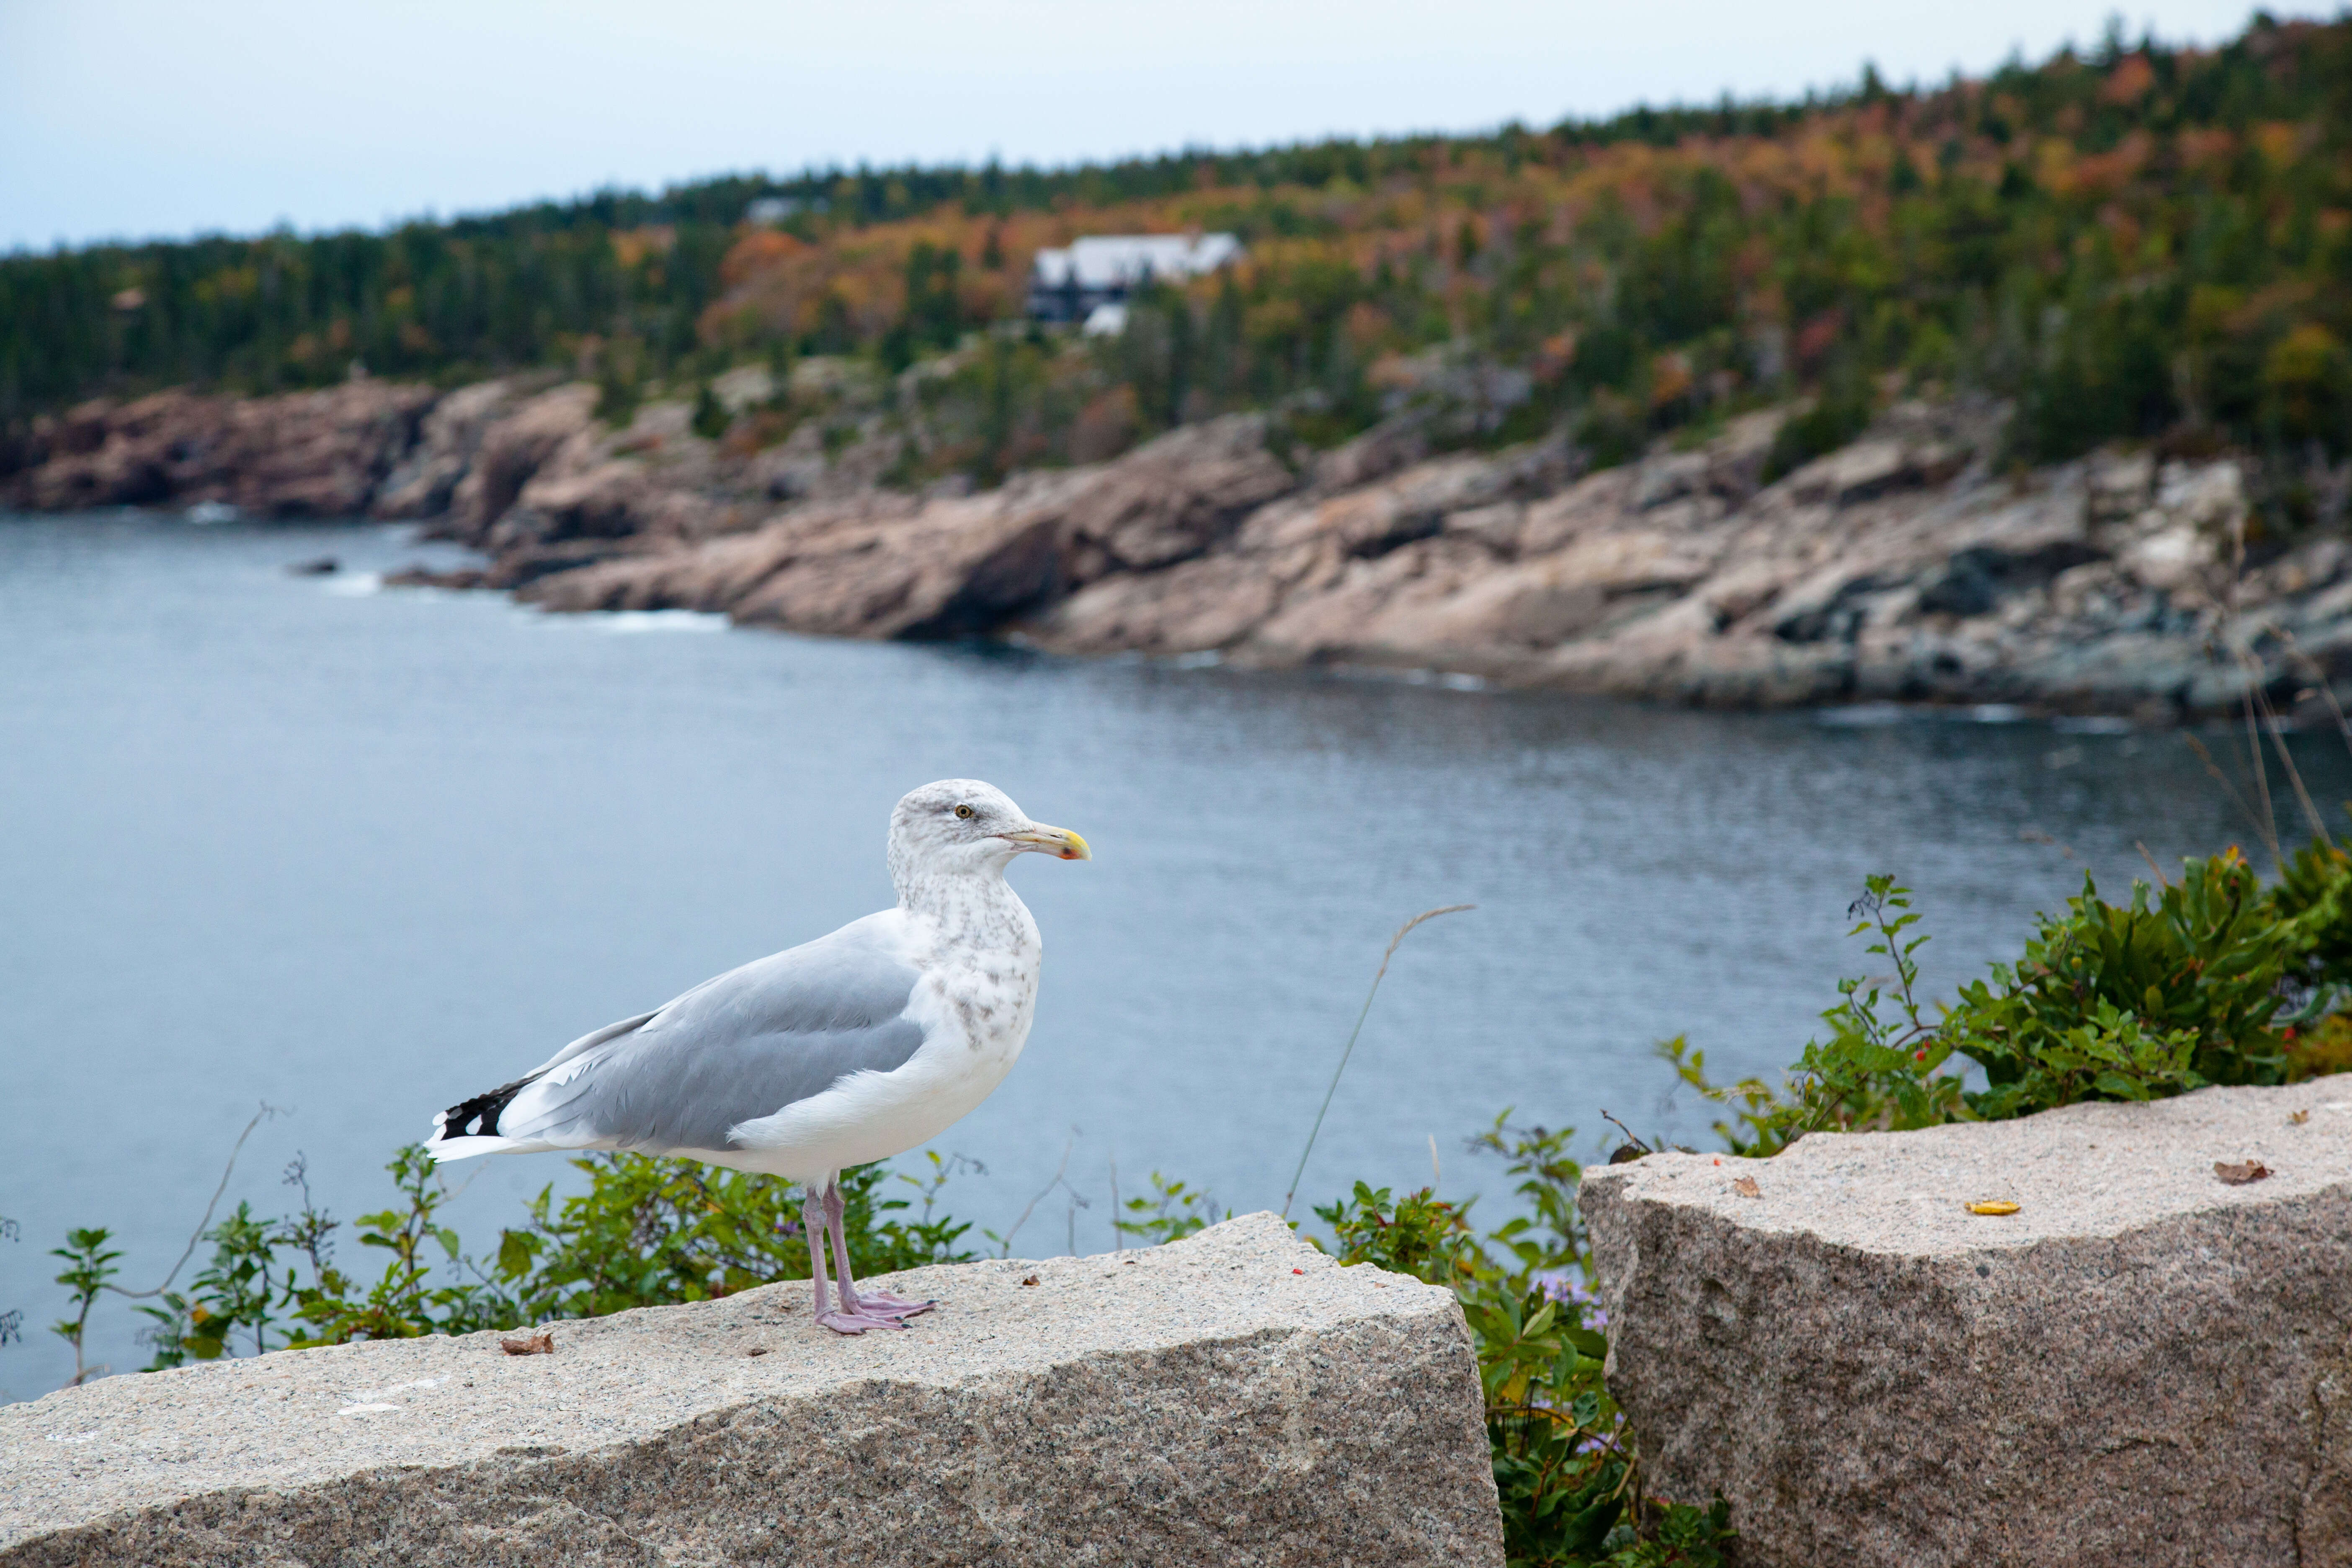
column 2139, row 242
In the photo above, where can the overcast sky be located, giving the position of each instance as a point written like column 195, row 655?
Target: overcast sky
column 134, row 117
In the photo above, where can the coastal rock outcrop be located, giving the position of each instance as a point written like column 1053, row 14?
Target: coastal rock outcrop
column 1235, row 1397
column 301, row 454
column 1899, row 568
column 879, row 566
column 879, row 563
column 1914, row 564
column 510, row 451
column 1902, row 567
column 449, row 438
column 2149, row 1363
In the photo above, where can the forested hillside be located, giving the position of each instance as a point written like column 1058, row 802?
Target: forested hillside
column 2144, row 242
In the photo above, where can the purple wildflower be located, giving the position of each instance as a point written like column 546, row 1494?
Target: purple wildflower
column 1570, row 1289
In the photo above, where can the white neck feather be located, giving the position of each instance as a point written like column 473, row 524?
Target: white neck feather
column 967, row 904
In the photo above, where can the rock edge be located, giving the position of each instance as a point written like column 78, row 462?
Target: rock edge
column 1234, row 1398
column 2144, row 1365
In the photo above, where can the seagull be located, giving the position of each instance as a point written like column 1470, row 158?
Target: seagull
column 850, row 1049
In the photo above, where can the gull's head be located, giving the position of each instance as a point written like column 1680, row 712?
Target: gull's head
column 965, row 824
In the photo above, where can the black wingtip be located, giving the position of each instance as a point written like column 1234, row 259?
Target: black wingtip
column 482, row 1112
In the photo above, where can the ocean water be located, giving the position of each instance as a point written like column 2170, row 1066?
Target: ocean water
column 356, row 853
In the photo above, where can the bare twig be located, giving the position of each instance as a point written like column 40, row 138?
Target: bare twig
column 1630, row 1135
column 2035, row 835
column 1403, row 931
column 2221, row 778
column 2272, row 723
column 1006, row 1239
column 2268, row 825
column 2141, row 846
column 2322, row 684
column 259, row 1116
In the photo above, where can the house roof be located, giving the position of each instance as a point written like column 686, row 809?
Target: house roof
column 1122, row 261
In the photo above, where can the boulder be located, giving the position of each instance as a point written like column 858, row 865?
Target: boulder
column 954, row 568
column 886, row 564
column 1235, row 1397
column 510, row 449
column 1169, row 499
column 2149, row 1363
column 424, row 480
column 300, row 454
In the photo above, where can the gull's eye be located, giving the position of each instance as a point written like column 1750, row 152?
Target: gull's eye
column 965, row 810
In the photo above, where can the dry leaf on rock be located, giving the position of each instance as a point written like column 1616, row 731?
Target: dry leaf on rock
column 540, row 1343
column 1746, row 1188
column 2239, row 1174
column 1031, row 1280
column 1993, row 1205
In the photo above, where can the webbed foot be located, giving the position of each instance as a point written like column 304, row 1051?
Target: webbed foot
column 857, row 1323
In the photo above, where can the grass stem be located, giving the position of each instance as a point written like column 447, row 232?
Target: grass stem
column 1365, row 1012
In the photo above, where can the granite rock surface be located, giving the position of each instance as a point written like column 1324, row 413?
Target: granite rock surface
column 2144, row 1364
column 1235, row 1397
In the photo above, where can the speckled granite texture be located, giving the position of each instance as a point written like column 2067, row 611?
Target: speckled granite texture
column 1234, row 1398
column 2143, row 1365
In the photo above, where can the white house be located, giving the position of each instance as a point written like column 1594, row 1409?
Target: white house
column 1074, row 283
column 768, row 211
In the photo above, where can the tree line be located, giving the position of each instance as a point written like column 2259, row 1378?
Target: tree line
column 2138, row 241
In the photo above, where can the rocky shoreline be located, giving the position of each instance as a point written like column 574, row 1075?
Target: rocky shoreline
column 1906, row 566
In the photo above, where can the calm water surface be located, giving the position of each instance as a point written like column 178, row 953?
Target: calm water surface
column 268, row 837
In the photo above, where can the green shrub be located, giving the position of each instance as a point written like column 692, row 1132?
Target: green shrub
column 647, row 1232
column 1610, row 432
column 2323, row 1048
column 2315, row 891
column 1173, row 1212
column 2172, row 991
column 709, row 419
column 1566, row 1471
column 90, row 1265
column 1837, row 416
column 2181, row 986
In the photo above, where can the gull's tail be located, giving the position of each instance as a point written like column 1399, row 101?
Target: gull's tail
column 470, row 1126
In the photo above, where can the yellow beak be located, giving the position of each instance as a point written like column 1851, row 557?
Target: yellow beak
column 1059, row 842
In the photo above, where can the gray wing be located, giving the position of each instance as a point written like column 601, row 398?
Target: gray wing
column 742, row 1046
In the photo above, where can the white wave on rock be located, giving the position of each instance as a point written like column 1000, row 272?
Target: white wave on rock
column 1864, row 715
column 629, row 621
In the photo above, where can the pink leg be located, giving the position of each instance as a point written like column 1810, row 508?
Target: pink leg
column 872, row 1303
column 857, row 1315
column 812, row 1226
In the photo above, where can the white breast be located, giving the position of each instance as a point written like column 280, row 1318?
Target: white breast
column 975, row 1003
